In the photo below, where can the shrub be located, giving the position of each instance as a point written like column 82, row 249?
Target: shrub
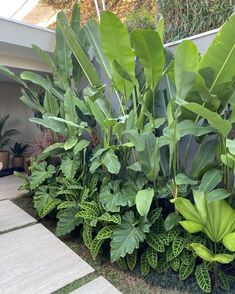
column 140, row 19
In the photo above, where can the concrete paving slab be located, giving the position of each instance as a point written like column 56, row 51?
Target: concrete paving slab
column 97, row 286
column 34, row 261
column 9, row 187
column 11, row 216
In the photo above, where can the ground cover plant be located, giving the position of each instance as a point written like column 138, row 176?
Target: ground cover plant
column 144, row 163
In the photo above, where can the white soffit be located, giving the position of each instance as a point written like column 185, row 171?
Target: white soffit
column 16, row 40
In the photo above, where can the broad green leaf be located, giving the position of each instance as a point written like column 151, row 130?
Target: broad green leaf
column 110, row 160
column 70, row 110
column 217, row 194
column 59, row 78
column 149, row 158
column 216, row 121
column 53, row 147
column 171, row 220
column 10, row 74
column 51, row 104
column 202, row 251
column 218, row 63
column 188, row 127
column 109, row 196
column 182, row 179
column 62, row 53
column 185, row 207
column 229, row 241
column 128, row 235
column 148, row 47
column 144, row 200
column 82, row 144
column 80, row 55
column 47, row 122
column 191, row 227
column 207, row 255
column 185, row 68
column 93, row 34
column 131, row 260
column 144, row 264
column 210, row 180
column 134, row 137
column 43, row 199
column 110, row 25
column 70, row 143
column 30, row 102
column 203, row 158
column 201, row 205
column 40, row 173
column 76, row 18
column 36, row 79
column 67, row 221
column 230, row 144
column 69, row 167
column 203, row 277
column 228, row 160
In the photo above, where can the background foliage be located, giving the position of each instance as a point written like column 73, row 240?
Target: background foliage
column 189, row 17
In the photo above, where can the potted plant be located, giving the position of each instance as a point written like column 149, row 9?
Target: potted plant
column 5, row 136
column 18, row 159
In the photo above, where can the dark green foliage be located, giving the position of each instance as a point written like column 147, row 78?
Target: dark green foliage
column 203, row 277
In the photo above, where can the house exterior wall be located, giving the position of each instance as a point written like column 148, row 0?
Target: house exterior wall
column 19, row 113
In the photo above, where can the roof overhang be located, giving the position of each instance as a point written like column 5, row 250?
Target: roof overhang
column 16, row 40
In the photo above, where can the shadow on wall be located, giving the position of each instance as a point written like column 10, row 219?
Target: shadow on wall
column 19, row 113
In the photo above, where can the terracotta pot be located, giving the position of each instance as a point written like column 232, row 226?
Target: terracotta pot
column 18, row 162
column 4, row 159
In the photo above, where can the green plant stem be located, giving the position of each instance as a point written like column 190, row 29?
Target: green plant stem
column 190, row 142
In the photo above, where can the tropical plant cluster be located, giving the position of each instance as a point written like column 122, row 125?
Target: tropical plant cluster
column 145, row 169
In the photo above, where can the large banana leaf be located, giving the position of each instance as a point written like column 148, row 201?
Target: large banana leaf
column 70, row 110
column 217, row 66
column 36, row 79
column 63, row 52
column 118, row 49
column 93, row 34
column 59, row 78
column 185, row 68
column 222, row 126
column 203, row 158
column 80, row 55
column 10, row 74
column 148, row 47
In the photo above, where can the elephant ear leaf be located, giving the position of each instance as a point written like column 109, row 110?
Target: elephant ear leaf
column 217, row 64
column 128, row 235
column 67, row 221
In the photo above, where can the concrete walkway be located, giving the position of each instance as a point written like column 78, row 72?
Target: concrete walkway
column 9, row 187
column 34, row 260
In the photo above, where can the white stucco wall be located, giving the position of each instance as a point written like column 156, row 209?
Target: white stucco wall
column 19, row 113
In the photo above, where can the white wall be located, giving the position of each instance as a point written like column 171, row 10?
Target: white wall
column 19, row 113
